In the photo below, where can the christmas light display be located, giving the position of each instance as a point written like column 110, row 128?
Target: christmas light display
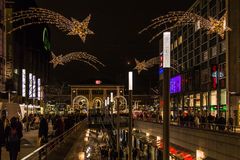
column 180, row 18
column 33, row 16
column 145, row 65
column 78, row 56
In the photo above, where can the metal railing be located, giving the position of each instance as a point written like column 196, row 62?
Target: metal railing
column 44, row 151
column 203, row 126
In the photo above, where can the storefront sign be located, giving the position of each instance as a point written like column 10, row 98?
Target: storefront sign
column 175, row 84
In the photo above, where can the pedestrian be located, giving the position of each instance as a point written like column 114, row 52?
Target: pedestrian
column 230, row 124
column 13, row 135
column 1, row 137
column 43, row 130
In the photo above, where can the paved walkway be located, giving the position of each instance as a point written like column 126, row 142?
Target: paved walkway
column 29, row 143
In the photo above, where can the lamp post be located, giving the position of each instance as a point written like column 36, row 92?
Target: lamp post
column 166, row 95
column 130, row 88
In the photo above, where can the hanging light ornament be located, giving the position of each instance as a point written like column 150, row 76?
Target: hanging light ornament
column 32, row 16
column 145, row 65
column 181, row 18
column 78, row 56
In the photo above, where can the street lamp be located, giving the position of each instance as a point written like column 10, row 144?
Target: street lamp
column 130, row 88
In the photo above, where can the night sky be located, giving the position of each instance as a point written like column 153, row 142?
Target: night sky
column 116, row 41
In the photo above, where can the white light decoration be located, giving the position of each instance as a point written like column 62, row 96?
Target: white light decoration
column 30, row 86
column 108, row 101
column 78, row 56
column 166, row 49
column 33, row 16
column 38, row 88
column 200, row 155
column 130, row 81
column 181, row 18
column 34, row 86
column 146, row 64
column 23, row 82
column 111, row 97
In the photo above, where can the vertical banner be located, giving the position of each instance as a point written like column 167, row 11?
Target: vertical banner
column 30, row 91
column 23, row 83
column 166, row 49
column 34, row 86
column 39, row 89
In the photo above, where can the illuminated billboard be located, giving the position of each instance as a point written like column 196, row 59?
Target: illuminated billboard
column 175, row 84
column 24, row 82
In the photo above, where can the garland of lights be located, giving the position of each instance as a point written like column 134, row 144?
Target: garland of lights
column 32, row 16
column 181, row 18
column 78, row 56
column 145, row 65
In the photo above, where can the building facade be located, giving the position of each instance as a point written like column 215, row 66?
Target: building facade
column 96, row 97
column 27, row 58
column 206, row 79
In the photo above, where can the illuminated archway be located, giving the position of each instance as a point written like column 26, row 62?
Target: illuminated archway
column 81, row 103
column 122, row 102
column 97, row 103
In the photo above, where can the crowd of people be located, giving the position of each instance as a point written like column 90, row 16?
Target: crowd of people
column 197, row 120
column 11, row 131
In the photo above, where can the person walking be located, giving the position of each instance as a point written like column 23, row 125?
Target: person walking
column 43, row 130
column 1, row 137
column 13, row 135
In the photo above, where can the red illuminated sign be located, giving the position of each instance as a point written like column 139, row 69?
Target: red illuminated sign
column 98, row 82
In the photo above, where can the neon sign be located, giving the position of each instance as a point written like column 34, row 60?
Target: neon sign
column 175, row 84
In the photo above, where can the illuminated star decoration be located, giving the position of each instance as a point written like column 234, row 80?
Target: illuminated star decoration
column 180, row 18
column 32, row 16
column 78, row 56
column 145, row 65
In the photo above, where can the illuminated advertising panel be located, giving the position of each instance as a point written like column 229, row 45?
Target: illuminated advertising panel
column 166, row 49
column 30, row 91
column 175, row 84
column 34, row 86
column 23, row 82
column 38, row 88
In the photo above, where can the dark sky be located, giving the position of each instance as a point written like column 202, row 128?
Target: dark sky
column 116, row 41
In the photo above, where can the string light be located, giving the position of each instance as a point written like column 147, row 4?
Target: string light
column 32, row 16
column 145, row 65
column 78, row 56
column 181, row 18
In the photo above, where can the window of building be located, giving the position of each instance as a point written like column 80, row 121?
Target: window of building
column 205, row 99
column 197, row 42
column 213, row 12
column 97, row 92
column 223, row 96
column 222, row 47
column 197, row 25
column 213, row 51
column 205, row 76
column 175, row 44
column 222, row 4
column 222, row 70
column 171, row 46
column 179, row 40
column 197, row 100
column 197, row 59
column 191, row 103
column 213, row 98
column 205, row 56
